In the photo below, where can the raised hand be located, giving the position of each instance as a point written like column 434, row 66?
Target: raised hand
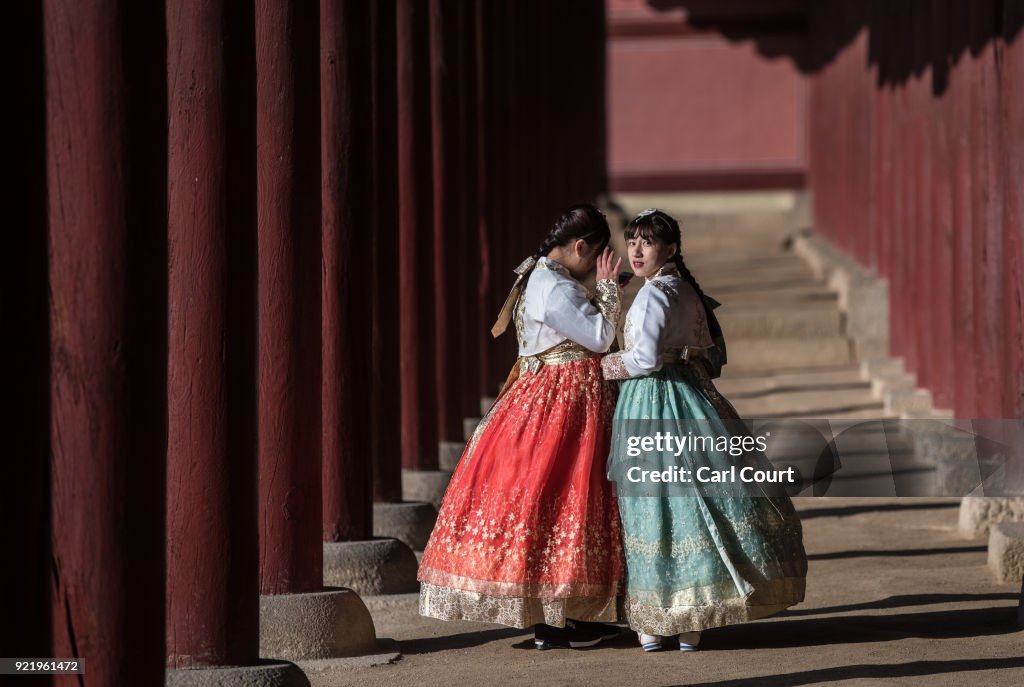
column 608, row 265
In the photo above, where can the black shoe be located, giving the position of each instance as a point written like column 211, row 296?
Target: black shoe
column 573, row 636
column 607, row 630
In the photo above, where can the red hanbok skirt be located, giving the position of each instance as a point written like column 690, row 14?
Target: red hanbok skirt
column 528, row 531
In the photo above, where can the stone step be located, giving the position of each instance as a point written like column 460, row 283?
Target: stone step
column 772, row 382
column 788, row 353
column 732, row 272
column 780, row 322
column 751, row 281
column 792, row 297
column 815, row 403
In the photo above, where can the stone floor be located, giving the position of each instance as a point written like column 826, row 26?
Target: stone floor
column 894, row 597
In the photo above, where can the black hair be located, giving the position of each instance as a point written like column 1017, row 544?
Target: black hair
column 663, row 227
column 583, row 221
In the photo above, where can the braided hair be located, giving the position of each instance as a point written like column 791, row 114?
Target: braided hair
column 583, row 221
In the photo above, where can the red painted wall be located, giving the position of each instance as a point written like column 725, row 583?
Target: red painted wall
column 689, row 108
column 917, row 140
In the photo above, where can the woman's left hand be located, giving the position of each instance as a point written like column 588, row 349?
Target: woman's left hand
column 606, row 268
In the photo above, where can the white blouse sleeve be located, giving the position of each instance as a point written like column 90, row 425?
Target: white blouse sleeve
column 571, row 314
column 647, row 316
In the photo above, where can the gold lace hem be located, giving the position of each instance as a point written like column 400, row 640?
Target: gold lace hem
column 771, row 597
column 446, row 603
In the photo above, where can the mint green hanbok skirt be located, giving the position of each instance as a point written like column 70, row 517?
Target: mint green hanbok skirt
column 701, row 558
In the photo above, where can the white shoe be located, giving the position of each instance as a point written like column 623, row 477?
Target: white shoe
column 689, row 641
column 650, row 642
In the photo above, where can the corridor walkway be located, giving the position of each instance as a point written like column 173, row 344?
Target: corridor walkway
column 894, row 597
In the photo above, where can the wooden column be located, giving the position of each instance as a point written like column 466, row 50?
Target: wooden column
column 212, row 581
column 106, row 203
column 385, row 384
column 26, row 630
column 347, row 186
column 485, row 291
column 288, row 177
column 415, row 246
column 445, row 146
column 471, row 258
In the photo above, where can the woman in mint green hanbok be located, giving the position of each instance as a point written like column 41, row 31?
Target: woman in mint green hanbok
column 698, row 555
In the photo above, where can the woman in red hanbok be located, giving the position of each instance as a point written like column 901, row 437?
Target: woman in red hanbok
column 528, row 532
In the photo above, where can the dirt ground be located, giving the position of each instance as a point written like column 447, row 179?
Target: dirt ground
column 895, row 597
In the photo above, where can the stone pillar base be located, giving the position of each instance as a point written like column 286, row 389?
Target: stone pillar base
column 978, row 513
column 374, row 566
column 449, row 453
column 327, row 624
column 425, row 485
column 1006, row 551
column 264, row 674
column 410, row 523
column 469, row 427
column 1020, row 606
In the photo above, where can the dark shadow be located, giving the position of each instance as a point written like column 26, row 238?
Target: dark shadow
column 463, row 640
column 905, row 38
column 867, row 671
column 882, row 553
column 844, row 511
column 900, row 601
column 857, row 629
column 625, row 640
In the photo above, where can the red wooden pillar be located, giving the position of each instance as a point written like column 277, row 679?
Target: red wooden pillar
column 346, row 186
column 504, row 257
column 385, row 384
column 471, row 247
column 105, row 118
column 212, row 581
column 416, row 336
column 483, row 26
column 445, row 147
column 26, row 630
column 288, row 177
